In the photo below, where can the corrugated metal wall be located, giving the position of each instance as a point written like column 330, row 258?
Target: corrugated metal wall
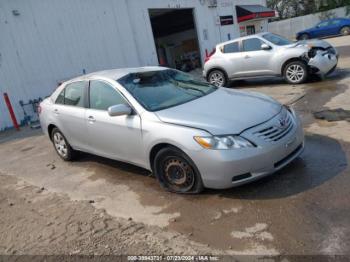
column 54, row 40
column 43, row 42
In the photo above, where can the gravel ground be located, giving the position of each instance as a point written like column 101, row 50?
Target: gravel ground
column 36, row 222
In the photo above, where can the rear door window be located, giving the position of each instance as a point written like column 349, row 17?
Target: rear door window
column 102, row 96
column 252, row 44
column 74, row 94
column 323, row 24
column 231, row 48
column 335, row 22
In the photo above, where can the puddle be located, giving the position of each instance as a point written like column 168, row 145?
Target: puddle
column 332, row 115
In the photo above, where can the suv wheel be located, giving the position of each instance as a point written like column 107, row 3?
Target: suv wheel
column 217, row 78
column 176, row 172
column 62, row 147
column 295, row 72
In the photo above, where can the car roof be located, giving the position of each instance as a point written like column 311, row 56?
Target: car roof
column 116, row 74
column 243, row 38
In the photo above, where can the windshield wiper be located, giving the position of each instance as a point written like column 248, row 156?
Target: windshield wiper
column 189, row 88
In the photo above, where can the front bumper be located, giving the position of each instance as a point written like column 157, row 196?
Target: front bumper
column 324, row 62
column 228, row 168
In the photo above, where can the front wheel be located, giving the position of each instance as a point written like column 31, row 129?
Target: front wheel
column 176, row 172
column 62, row 147
column 217, row 78
column 295, row 72
column 345, row 30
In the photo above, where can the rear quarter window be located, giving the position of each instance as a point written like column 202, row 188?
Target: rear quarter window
column 60, row 98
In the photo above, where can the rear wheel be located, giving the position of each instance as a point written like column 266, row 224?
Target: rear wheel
column 295, row 72
column 218, row 78
column 345, row 30
column 304, row 37
column 176, row 172
column 62, row 147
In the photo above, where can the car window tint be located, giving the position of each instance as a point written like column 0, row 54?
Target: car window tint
column 252, row 44
column 335, row 22
column 231, row 48
column 323, row 24
column 74, row 94
column 60, row 98
column 102, row 96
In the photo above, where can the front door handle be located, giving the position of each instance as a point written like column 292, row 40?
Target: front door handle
column 247, row 56
column 91, row 119
column 56, row 111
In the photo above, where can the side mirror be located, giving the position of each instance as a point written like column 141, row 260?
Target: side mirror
column 265, row 47
column 119, row 110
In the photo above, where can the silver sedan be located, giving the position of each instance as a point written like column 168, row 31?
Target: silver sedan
column 190, row 134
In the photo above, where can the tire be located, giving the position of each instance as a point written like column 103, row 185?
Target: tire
column 295, row 72
column 345, row 30
column 218, row 78
column 61, row 145
column 304, row 37
column 176, row 172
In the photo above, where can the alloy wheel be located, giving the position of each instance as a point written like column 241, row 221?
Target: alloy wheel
column 295, row 73
column 217, row 79
column 345, row 31
column 60, row 144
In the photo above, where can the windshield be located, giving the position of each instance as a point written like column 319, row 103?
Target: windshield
column 276, row 39
column 157, row 90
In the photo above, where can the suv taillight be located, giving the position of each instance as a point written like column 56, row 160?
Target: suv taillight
column 207, row 56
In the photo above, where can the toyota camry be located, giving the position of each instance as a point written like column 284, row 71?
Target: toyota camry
column 190, row 134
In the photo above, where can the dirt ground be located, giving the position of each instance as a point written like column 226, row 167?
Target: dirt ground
column 100, row 206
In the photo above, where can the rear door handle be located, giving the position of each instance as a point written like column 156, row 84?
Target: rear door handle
column 247, row 56
column 91, row 119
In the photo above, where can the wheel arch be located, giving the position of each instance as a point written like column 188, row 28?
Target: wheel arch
column 156, row 148
column 304, row 33
column 299, row 59
column 216, row 68
column 49, row 130
column 342, row 27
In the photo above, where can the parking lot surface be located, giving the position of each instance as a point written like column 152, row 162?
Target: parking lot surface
column 100, row 206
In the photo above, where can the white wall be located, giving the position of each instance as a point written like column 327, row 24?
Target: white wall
column 289, row 27
column 54, row 40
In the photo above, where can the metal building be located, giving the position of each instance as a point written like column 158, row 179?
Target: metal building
column 44, row 42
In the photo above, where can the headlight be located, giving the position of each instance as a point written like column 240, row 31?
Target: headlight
column 223, row 142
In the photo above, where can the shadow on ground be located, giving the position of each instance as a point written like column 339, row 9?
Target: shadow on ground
column 322, row 160
column 12, row 134
column 337, row 75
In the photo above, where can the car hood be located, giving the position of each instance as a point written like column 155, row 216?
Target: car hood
column 311, row 43
column 223, row 112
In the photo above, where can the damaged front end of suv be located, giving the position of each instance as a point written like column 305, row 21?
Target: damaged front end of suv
column 320, row 57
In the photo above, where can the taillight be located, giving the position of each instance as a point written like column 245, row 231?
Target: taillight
column 207, row 56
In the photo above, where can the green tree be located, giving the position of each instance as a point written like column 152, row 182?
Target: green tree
column 292, row 8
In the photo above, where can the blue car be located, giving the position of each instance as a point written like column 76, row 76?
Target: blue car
column 331, row 27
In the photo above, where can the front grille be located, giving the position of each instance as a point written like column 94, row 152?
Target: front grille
column 282, row 126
